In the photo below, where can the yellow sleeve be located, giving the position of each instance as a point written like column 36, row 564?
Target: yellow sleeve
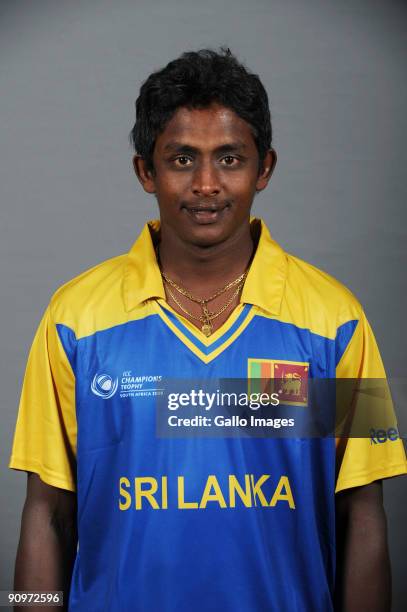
column 45, row 434
column 361, row 460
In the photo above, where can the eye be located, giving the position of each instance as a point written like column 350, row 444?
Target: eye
column 182, row 160
column 230, row 160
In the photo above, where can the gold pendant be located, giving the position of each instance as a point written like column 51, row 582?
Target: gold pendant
column 206, row 329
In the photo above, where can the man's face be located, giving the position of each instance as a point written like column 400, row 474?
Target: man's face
column 206, row 173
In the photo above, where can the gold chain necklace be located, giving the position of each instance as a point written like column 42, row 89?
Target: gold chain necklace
column 207, row 317
column 206, row 300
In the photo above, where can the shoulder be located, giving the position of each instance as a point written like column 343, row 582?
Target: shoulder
column 316, row 299
column 317, row 285
column 93, row 298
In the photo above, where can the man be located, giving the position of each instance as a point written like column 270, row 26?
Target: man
column 196, row 522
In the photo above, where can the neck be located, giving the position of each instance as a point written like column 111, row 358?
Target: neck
column 205, row 269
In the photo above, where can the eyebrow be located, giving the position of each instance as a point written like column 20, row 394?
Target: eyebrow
column 180, row 147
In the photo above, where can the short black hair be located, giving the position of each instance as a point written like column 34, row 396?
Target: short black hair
column 197, row 79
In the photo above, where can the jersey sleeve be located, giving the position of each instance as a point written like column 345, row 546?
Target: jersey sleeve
column 361, row 460
column 45, row 434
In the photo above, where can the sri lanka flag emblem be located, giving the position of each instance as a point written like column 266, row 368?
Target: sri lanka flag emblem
column 287, row 378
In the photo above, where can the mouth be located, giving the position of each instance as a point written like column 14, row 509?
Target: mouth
column 206, row 214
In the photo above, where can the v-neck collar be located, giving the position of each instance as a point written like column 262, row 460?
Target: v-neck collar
column 206, row 348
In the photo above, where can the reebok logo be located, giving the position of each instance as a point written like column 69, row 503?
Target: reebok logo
column 380, row 436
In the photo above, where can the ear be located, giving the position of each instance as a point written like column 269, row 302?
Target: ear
column 269, row 163
column 144, row 175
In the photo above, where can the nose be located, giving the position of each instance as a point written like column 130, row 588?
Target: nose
column 205, row 181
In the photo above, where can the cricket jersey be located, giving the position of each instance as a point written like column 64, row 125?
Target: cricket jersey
column 196, row 523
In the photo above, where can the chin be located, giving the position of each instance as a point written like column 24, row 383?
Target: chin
column 207, row 236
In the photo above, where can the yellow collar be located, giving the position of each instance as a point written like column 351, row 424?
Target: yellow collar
column 264, row 284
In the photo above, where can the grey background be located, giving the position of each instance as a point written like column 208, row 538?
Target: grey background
column 69, row 75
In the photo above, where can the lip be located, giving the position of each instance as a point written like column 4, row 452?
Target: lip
column 206, row 214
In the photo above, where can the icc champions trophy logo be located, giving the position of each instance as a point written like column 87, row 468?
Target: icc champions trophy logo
column 104, row 386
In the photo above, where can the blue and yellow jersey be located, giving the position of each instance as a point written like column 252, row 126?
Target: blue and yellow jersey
column 239, row 524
